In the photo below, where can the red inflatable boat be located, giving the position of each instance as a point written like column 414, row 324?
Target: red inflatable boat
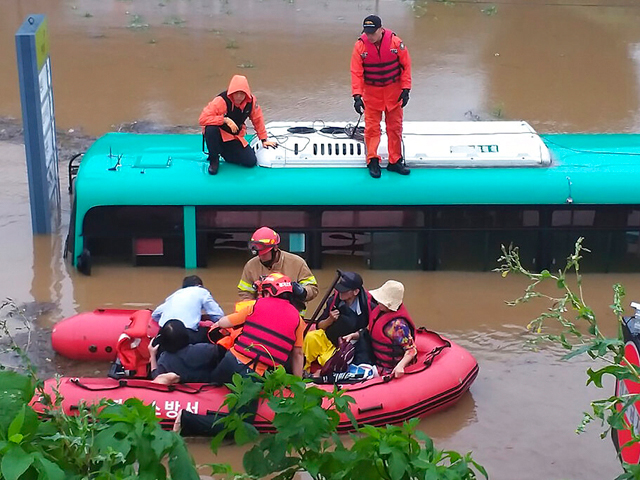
column 93, row 335
column 442, row 373
column 629, row 453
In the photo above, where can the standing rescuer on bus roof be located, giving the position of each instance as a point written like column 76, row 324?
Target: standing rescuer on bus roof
column 380, row 82
column 223, row 123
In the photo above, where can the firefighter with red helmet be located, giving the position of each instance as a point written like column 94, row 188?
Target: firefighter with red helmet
column 269, row 258
column 380, row 83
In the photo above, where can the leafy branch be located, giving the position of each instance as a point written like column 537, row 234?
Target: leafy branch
column 306, row 418
column 574, row 326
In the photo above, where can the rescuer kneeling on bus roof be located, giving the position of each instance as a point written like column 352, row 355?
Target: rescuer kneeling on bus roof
column 224, row 129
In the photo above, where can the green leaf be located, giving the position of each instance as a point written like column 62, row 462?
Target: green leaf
column 16, row 425
column 577, row 351
column 397, row 465
column 245, row 433
column 47, row 469
column 181, row 464
column 15, row 462
column 116, row 437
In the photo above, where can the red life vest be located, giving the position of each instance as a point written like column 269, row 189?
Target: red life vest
column 381, row 66
column 386, row 352
column 269, row 332
column 133, row 345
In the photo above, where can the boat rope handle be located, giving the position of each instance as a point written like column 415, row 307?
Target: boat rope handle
column 154, row 387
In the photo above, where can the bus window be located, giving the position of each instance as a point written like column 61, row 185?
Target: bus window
column 372, row 218
column 209, row 218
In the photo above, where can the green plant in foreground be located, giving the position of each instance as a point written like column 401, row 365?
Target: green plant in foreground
column 574, row 326
column 104, row 441
column 306, row 420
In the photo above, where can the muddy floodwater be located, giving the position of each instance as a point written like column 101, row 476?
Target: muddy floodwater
column 563, row 66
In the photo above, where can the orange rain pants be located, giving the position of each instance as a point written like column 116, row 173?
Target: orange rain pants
column 376, row 101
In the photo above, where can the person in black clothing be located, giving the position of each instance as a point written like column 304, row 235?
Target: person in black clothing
column 179, row 360
column 346, row 311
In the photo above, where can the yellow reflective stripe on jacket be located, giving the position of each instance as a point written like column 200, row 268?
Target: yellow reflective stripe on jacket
column 308, row 281
column 245, row 286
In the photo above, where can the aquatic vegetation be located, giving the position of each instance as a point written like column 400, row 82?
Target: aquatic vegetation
column 137, row 22
column 580, row 334
column 498, row 111
column 175, row 21
column 490, row 10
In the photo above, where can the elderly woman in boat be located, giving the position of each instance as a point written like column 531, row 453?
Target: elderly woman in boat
column 392, row 330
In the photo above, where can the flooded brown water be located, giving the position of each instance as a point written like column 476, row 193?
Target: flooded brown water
column 561, row 65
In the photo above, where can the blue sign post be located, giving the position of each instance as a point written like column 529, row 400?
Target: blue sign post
column 38, row 121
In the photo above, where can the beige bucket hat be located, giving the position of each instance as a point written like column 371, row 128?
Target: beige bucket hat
column 390, row 294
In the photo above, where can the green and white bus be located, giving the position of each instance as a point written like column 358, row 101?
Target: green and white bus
column 147, row 198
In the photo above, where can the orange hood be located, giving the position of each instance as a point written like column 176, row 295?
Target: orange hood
column 239, row 83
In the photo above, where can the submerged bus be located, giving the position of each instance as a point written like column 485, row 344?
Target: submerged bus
column 474, row 186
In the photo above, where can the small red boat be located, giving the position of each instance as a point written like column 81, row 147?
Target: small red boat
column 443, row 372
column 93, row 335
column 631, row 330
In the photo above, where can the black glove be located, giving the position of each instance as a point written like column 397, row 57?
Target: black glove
column 404, row 97
column 358, row 104
column 298, row 291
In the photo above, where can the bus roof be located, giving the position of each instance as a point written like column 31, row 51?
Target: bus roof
column 153, row 169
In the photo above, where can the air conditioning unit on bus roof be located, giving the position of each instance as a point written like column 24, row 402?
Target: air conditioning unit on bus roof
column 425, row 144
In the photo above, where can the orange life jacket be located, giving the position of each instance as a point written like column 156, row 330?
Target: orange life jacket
column 381, row 65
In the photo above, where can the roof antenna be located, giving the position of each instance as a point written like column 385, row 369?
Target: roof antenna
column 117, row 165
column 569, row 198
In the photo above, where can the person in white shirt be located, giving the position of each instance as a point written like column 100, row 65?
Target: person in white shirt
column 187, row 305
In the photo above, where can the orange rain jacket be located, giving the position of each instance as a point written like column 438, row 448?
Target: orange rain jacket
column 215, row 111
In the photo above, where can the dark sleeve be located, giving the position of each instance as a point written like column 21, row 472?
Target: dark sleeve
column 327, row 306
column 161, row 368
column 201, row 355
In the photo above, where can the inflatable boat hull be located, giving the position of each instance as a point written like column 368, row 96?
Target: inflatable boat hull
column 93, row 335
column 443, row 372
column 629, row 453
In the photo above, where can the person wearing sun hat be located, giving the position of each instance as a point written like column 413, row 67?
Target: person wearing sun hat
column 392, row 330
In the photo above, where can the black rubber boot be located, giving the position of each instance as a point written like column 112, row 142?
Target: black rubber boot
column 374, row 167
column 399, row 167
column 213, row 166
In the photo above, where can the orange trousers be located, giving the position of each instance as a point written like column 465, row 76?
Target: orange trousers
column 378, row 100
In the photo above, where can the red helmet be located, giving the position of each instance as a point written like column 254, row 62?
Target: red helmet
column 275, row 285
column 263, row 240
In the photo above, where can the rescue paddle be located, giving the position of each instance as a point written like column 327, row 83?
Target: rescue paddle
column 313, row 320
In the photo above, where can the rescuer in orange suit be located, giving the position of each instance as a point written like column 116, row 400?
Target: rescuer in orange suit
column 223, row 126
column 380, row 82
